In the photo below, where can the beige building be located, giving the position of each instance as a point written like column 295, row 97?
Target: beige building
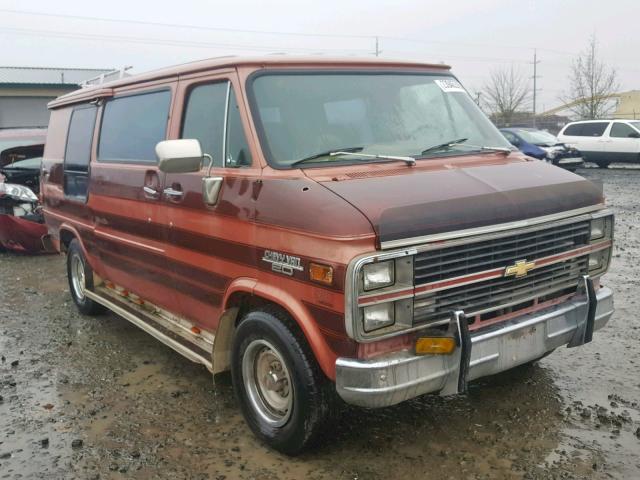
column 628, row 107
column 25, row 92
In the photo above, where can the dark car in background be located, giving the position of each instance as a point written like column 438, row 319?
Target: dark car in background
column 543, row 146
column 21, row 222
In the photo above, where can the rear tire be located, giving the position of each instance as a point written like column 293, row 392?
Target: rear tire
column 285, row 398
column 603, row 163
column 80, row 276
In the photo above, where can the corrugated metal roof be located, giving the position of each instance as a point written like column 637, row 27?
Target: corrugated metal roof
column 48, row 76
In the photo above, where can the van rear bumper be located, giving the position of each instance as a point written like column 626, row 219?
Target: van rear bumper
column 393, row 378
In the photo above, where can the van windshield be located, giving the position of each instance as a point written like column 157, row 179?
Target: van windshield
column 303, row 115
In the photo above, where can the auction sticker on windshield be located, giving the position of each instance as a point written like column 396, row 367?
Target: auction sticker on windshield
column 449, row 85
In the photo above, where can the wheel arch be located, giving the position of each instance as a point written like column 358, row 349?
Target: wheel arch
column 67, row 233
column 244, row 295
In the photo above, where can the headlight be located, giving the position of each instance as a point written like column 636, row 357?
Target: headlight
column 378, row 316
column 18, row 192
column 598, row 261
column 378, row 275
column 598, row 226
column 552, row 154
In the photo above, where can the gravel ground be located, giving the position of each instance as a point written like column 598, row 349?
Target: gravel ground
column 97, row 398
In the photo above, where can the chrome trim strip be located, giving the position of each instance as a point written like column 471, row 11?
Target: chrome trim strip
column 576, row 253
column 130, row 242
column 224, row 127
column 438, row 237
column 72, row 221
column 139, row 322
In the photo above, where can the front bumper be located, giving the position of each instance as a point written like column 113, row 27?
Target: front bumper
column 569, row 162
column 399, row 376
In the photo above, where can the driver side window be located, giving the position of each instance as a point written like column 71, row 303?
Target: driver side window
column 204, row 119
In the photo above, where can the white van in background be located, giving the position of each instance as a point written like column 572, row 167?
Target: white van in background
column 604, row 141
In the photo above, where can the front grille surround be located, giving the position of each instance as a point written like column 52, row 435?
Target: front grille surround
column 560, row 243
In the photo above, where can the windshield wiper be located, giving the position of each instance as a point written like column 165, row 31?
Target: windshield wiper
column 355, row 152
column 461, row 141
column 328, row 153
column 491, row 149
column 440, row 146
column 407, row 160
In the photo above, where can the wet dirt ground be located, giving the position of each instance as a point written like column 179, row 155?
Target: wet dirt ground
column 93, row 398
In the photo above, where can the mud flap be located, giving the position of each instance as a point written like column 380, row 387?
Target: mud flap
column 584, row 330
column 459, row 362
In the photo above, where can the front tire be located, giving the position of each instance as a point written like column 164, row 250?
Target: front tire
column 603, row 164
column 285, row 398
column 80, row 276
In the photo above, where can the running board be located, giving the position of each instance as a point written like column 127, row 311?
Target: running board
column 169, row 332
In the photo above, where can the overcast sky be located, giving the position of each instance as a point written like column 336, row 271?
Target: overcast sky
column 474, row 37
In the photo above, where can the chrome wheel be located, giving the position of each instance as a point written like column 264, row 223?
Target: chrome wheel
column 267, row 382
column 77, row 276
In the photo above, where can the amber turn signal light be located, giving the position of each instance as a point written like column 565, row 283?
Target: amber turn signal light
column 435, row 345
column 321, row 273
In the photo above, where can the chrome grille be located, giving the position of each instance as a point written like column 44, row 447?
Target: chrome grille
column 500, row 293
column 450, row 262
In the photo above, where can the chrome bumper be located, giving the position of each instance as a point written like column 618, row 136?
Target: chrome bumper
column 393, row 378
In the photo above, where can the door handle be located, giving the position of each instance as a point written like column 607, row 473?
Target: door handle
column 173, row 193
column 150, row 192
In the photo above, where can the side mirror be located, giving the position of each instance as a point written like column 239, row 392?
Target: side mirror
column 179, row 156
column 185, row 156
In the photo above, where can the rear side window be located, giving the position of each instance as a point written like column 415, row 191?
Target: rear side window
column 591, row 129
column 574, row 130
column 77, row 154
column 80, row 138
column 595, row 129
column 622, row 130
column 132, row 126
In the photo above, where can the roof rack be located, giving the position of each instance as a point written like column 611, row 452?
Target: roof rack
column 115, row 74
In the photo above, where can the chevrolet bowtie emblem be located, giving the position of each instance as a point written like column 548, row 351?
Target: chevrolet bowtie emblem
column 520, row 269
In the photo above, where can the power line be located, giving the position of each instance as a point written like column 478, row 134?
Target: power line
column 160, row 41
column 178, row 25
column 266, row 32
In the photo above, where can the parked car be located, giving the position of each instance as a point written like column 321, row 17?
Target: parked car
column 543, row 146
column 321, row 227
column 604, row 141
column 22, row 225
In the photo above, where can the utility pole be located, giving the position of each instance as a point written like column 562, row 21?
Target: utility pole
column 535, row 83
column 378, row 51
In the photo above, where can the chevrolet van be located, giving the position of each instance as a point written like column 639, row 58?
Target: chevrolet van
column 323, row 229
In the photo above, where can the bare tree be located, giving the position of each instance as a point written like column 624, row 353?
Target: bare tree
column 506, row 93
column 591, row 85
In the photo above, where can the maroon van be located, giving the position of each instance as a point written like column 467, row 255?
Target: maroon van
column 322, row 228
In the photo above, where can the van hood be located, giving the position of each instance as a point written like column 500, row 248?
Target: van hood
column 424, row 202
